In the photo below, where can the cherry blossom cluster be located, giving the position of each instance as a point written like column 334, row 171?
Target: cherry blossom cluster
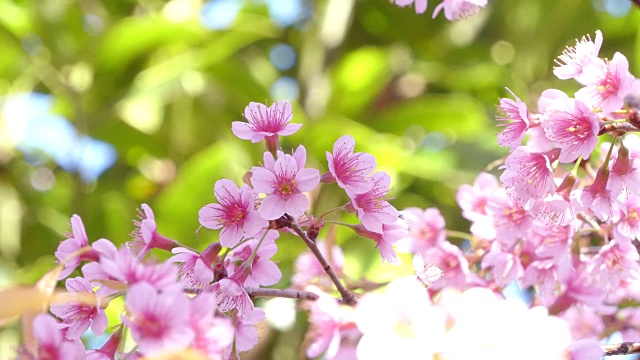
column 204, row 300
column 453, row 9
column 561, row 228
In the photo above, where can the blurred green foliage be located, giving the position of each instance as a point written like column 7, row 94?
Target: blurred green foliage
column 147, row 77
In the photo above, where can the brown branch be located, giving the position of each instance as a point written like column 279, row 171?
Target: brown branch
column 347, row 297
column 283, row 293
column 619, row 129
column 625, row 348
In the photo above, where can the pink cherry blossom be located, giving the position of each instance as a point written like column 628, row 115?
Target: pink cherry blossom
column 426, row 271
column 195, row 269
column 332, row 328
column 547, row 274
column 609, row 87
column 80, row 316
column 515, row 121
column 372, row 207
column 284, row 186
column 459, row 9
column 574, row 129
column 629, row 224
column 230, row 293
column 599, row 200
column 129, row 269
column 574, row 60
column 583, row 286
column 158, row 321
column 264, row 272
column 625, row 173
column 49, row 335
column 246, row 332
column 212, row 334
column 235, row 213
column 510, row 220
column 551, row 241
column 266, row 123
column 426, row 228
column 146, row 236
column 557, row 208
column 350, row 170
column 504, row 266
column 583, row 322
column 615, row 262
column 455, row 267
column 473, row 202
column 420, row 5
column 76, row 240
column 528, row 175
column 391, row 233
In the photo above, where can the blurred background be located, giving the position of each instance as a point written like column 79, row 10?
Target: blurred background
column 109, row 104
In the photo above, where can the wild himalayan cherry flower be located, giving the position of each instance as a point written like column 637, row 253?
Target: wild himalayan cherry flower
column 129, row 269
column 399, row 322
column 473, row 202
column 235, row 213
column 455, row 267
column 615, row 262
column 574, row 60
column 574, row 129
column 505, row 266
column 246, row 334
column 547, row 274
column 584, row 322
column 333, row 330
column 599, row 200
column 420, row 5
column 196, row 269
column 51, row 342
column 146, row 236
column 459, row 9
column 513, row 326
column 266, row 123
column 426, row 272
column 78, row 315
column 557, row 208
column 609, row 87
column 426, row 228
column 350, row 170
column 629, row 224
column 212, row 334
column 284, row 186
column 528, row 175
column 76, row 240
column 230, row 292
column 515, row 121
column 159, row 321
column 625, row 173
column 510, row 220
column 264, row 272
column 551, row 241
column 391, row 233
column 372, row 207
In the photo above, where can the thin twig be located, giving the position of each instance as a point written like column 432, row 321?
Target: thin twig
column 282, row 293
column 625, row 348
column 347, row 297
